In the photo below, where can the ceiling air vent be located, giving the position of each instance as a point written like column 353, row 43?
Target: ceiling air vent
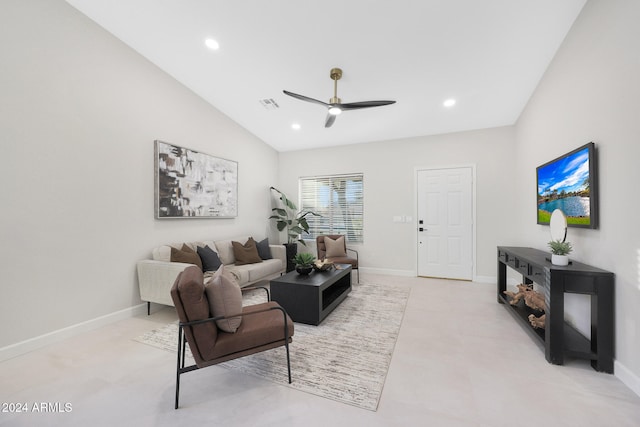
column 269, row 103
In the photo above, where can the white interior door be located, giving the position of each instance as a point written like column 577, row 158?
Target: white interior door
column 445, row 223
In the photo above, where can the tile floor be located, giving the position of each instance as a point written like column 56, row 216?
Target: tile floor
column 460, row 360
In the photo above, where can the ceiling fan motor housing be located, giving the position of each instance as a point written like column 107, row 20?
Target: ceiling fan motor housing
column 335, row 105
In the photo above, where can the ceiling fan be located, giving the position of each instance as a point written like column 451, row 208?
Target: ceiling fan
column 335, row 105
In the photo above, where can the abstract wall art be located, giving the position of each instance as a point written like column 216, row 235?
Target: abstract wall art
column 190, row 184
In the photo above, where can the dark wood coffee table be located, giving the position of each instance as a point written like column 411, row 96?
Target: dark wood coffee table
column 310, row 298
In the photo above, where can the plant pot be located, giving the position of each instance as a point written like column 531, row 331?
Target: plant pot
column 291, row 251
column 304, row 269
column 559, row 259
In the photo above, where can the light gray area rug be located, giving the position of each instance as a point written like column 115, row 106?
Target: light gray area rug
column 345, row 358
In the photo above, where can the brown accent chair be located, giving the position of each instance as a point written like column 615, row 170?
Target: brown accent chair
column 264, row 326
column 322, row 253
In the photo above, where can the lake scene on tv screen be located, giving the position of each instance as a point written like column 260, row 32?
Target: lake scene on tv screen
column 564, row 184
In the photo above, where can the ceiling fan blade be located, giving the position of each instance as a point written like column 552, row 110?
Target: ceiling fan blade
column 365, row 104
column 305, row 98
column 329, row 121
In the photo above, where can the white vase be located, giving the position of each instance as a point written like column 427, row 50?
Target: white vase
column 559, row 259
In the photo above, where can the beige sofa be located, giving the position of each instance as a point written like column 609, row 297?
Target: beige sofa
column 156, row 276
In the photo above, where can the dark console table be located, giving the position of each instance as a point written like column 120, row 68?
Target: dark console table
column 558, row 338
column 310, row 298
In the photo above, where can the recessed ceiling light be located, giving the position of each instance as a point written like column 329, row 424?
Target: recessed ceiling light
column 212, row 44
column 449, row 103
column 295, row 126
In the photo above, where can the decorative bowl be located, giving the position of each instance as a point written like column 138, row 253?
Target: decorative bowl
column 304, row 269
column 322, row 265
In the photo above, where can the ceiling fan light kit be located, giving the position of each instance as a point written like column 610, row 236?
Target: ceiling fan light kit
column 335, row 105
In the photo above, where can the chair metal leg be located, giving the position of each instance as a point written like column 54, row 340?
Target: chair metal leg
column 288, row 361
column 148, row 308
column 286, row 343
column 180, row 368
column 180, row 363
column 184, row 348
column 286, row 339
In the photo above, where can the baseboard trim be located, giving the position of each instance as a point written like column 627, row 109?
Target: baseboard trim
column 35, row 343
column 627, row 377
column 411, row 273
column 486, row 279
column 388, row 272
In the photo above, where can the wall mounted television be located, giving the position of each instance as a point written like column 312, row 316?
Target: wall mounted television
column 570, row 183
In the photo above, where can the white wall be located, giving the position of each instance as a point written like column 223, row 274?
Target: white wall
column 79, row 112
column 389, row 189
column 591, row 92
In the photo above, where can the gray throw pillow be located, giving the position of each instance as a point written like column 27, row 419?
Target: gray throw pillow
column 263, row 249
column 210, row 259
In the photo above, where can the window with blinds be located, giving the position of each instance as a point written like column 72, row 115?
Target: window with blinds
column 340, row 201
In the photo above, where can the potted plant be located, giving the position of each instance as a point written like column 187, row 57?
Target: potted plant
column 295, row 222
column 304, row 262
column 559, row 252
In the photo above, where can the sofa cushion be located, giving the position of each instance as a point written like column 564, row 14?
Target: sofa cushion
column 201, row 244
column 225, row 250
column 335, row 248
column 254, row 272
column 240, row 272
column 162, row 253
column 186, row 254
column 266, row 268
column 261, row 329
column 210, row 259
column 263, row 249
column 247, row 253
column 225, row 298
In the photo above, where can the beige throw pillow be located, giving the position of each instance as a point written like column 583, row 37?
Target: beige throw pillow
column 335, row 248
column 225, row 298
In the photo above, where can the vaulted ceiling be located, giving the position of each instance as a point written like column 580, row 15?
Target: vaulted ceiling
column 487, row 55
